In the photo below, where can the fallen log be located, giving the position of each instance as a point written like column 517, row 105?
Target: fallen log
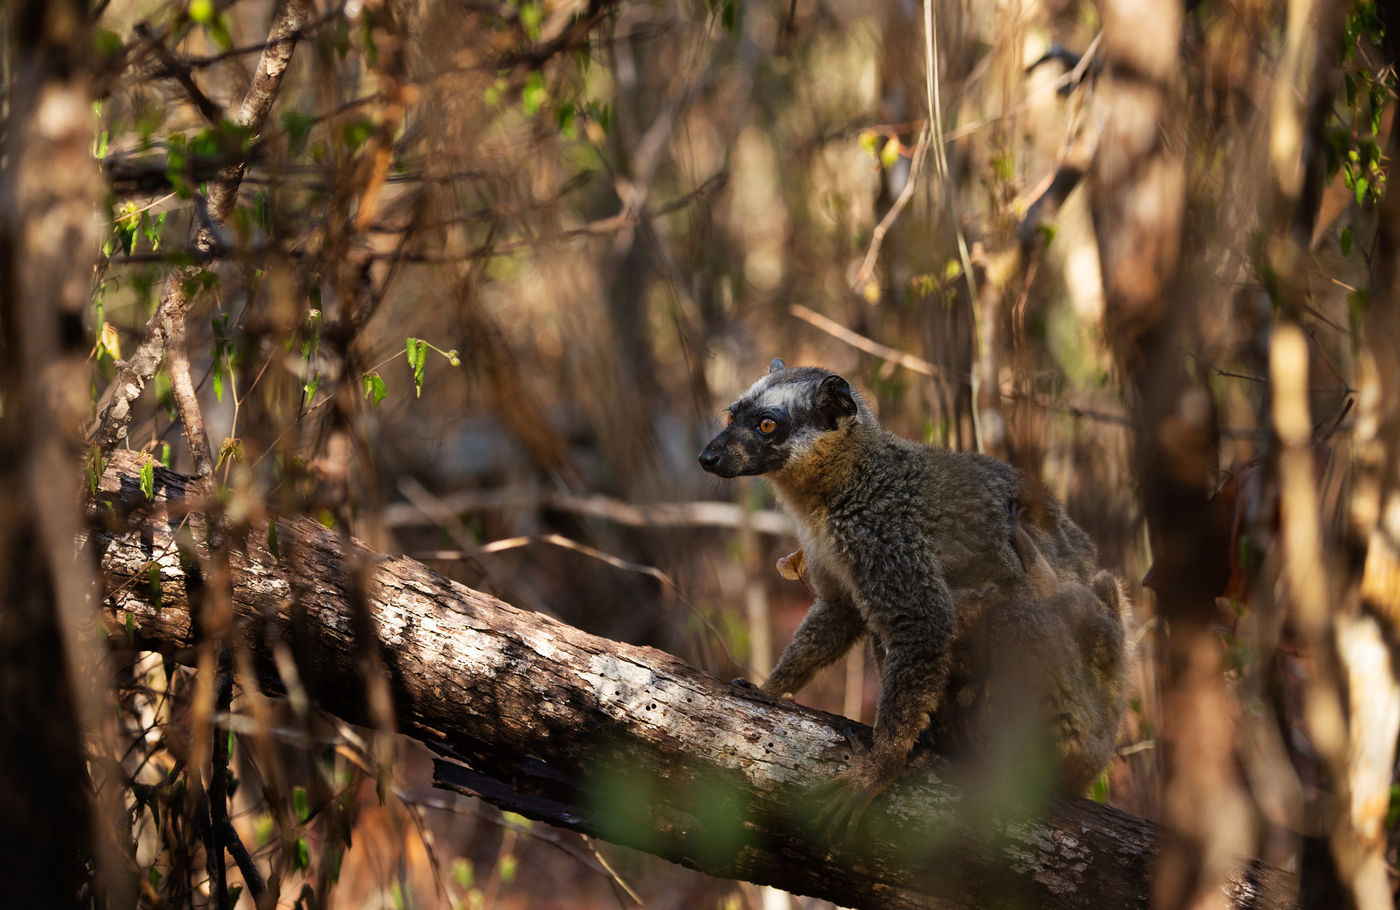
column 624, row 743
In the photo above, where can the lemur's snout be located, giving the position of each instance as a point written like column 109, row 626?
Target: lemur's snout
column 709, row 460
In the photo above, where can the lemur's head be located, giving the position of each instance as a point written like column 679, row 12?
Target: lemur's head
column 779, row 419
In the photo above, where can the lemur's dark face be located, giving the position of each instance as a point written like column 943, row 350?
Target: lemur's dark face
column 776, row 419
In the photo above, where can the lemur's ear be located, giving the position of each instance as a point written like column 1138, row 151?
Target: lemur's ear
column 776, row 365
column 835, row 400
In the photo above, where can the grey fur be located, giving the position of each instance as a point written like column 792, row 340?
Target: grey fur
column 946, row 560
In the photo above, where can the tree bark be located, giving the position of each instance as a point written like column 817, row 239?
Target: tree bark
column 1138, row 195
column 54, row 814
column 624, row 743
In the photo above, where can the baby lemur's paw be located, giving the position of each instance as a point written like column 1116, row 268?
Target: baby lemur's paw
column 793, row 566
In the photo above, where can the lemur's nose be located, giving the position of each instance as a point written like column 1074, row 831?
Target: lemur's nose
column 709, row 460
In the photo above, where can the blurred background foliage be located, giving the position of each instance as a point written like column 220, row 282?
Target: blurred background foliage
column 497, row 264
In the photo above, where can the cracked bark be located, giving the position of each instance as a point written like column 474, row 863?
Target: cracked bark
column 624, row 743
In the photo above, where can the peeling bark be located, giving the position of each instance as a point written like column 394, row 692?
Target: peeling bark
column 624, row 743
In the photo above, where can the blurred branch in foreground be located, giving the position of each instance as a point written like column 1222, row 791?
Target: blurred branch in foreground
column 624, row 743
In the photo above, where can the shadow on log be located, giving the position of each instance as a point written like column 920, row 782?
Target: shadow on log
column 623, row 743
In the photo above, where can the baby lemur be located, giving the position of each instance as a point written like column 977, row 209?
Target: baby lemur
column 934, row 555
column 1042, row 664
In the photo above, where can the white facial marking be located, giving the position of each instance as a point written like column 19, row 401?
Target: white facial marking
column 765, row 394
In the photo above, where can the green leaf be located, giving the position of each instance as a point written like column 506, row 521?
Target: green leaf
column 164, row 396
column 204, row 143
column 297, row 127
column 299, row 802
column 417, row 350
column 367, row 39
column 148, row 478
column 1362, row 185
column 154, row 229
column 374, row 387
column 231, row 448
column 494, row 91
column 107, row 43
column 302, row 860
column 201, row 10
column 127, row 220
column 263, row 826
column 311, row 385
column 729, row 16
column 889, row 153
column 356, row 133
column 1345, row 240
column 530, row 17
column 534, row 94
column 1099, row 791
column 219, row 32
column 564, row 117
column 219, row 379
column 95, row 466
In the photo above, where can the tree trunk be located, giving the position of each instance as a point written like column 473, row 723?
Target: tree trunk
column 53, row 814
column 623, row 743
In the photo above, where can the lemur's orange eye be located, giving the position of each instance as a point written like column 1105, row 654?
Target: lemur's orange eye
column 727, row 417
column 767, row 425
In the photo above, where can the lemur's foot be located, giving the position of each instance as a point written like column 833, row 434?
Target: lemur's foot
column 845, row 798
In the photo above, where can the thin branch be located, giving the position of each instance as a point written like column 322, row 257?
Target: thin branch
column 612, row 224
column 165, row 330
column 206, row 106
column 877, row 236
column 654, row 515
column 868, row 345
